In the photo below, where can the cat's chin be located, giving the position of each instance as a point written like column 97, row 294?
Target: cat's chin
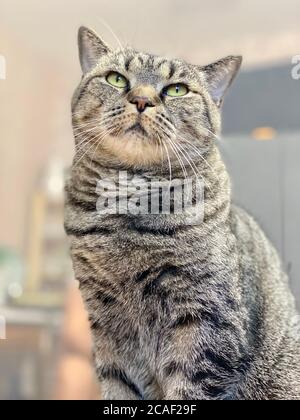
column 134, row 149
column 137, row 131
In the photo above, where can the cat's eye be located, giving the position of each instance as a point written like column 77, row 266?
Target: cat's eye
column 176, row 90
column 117, row 80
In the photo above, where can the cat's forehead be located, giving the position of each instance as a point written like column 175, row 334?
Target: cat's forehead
column 151, row 68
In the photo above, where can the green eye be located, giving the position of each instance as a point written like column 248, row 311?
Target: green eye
column 116, row 79
column 177, row 90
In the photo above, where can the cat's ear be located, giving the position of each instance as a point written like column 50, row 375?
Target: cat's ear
column 220, row 75
column 91, row 48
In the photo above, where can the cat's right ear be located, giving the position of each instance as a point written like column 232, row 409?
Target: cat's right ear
column 91, row 48
column 220, row 75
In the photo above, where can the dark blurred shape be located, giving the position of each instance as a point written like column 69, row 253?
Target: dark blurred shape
column 265, row 180
column 267, row 97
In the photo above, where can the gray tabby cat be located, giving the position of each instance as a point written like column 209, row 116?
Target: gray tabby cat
column 178, row 310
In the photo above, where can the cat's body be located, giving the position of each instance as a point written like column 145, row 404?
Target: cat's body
column 178, row 310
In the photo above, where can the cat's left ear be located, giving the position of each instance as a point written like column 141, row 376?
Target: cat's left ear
column 91, row 48
column 220, row 75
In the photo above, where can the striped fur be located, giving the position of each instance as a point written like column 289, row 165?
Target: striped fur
column 177, row 311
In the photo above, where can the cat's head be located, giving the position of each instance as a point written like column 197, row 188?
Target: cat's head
column 139, row 110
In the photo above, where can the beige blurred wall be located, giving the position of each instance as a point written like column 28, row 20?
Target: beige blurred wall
column 34, row 126
column 38, row 40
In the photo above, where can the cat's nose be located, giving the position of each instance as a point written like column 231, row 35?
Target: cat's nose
column 141, row 102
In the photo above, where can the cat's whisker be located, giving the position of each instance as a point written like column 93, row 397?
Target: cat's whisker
column 168, row 123
column 191, row 164
column 160, row 143
column 100, row 141
column 164, row 147
column 95, row 121
column 109, row 28
column 185, row 155
column 194, row 168
column 81, row 145
column 178, row 157
column 183, row 168
column 97, row 139
column 169, row 160
column 86, row 132
column 87, row 140
column 80, row 152
column 171, row 126
column 105, row 113
column 95, row 127
column 211, row 133
column 199, row 154
column 77, row 126
column 79, row 131
column 84, row 135
column 161, row 150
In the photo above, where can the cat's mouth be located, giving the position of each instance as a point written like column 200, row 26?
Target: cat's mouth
column 137, row 129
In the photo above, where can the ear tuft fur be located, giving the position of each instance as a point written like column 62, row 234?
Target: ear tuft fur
column 91, row 48
column 220, row 75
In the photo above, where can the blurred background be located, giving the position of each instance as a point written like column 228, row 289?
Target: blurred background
column 44, row 338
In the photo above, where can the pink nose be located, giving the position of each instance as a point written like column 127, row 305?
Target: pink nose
column 141, row 102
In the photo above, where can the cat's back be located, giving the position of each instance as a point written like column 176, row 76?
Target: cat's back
column 273, row 327
column 261, row 270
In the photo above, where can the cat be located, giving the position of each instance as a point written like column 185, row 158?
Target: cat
column 179, row 308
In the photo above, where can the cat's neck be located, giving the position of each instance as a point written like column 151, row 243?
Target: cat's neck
column 207, row 180
column 214, row 200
